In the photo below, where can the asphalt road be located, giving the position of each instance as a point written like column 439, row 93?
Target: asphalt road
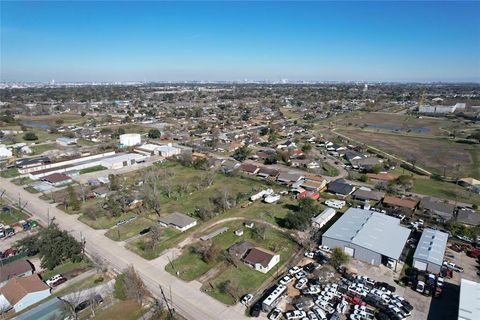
column 186, row 298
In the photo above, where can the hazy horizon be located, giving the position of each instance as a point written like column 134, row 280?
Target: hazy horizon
column 405, row 42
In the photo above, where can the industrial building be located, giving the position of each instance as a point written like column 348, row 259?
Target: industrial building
column 369, row 236
column 469, row 306
column 430, row 251
column 130, row 139
column 64, row 141
column 122, row 160
column 165, row 151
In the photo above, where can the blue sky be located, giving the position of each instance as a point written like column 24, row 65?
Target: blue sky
column 338, row 41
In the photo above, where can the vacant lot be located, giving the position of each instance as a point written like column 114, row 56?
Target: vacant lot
column 390, row 122
column 444, row 190
column 436, row 155
column 130, row 229
column 10, row 215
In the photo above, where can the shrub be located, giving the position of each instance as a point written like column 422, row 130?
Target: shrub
column 119, row 287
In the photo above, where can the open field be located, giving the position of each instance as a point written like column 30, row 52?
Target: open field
column 130, row 229
column 168, row 239
column 435, row 155
column 10, row 215
column 129, row 310
column 41, row 148
column 406, row 124
column 444, row 190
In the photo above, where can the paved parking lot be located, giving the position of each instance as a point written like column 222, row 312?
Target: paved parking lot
column 7, row 243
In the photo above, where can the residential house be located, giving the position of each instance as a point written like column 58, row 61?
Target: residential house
column 313, row 185
column 17, row 268
column 305, row 163
column 64, row 141
column 468, row 217
column 395, row 202
column 178, row 221
column 365, row 163
column 351, row 155
column 261, row 260
column 101, row 192
column 364, row 194
column 20, row 293
column 239, row 249
column 441, row 211
column 340, row 187
column 249, row 168
column 266, row 172
column 228, row 165
column 289, row 178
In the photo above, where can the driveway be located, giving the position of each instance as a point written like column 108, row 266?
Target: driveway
column 185, row 297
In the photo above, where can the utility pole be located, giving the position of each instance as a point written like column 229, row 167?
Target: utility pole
column 166, row 301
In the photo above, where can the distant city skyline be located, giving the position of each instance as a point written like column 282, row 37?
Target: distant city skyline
column 233, row 41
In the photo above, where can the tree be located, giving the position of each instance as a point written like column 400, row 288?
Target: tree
column 222, row 200
column 119, row 287
column 211, row 253
column 134, row 286
column 114, row 183
column 338, row 257
column 242, row 153
column 152, row 192
column 59, row 121
column 54, row 246
column 154, row 134
column 30, row 136
column 260, row 231
column 306, row 148
column 73, row 201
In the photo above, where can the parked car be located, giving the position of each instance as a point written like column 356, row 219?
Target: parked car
column 294, row 270
column 301, row 283
column 52, row 281
column 285, row 280
column 255, row 310
column 275, row 314
column 247, row 298
column 295, row 314
column 97, row 299
column 325, row 249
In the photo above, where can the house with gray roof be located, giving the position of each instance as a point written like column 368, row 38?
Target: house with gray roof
column 468, row 217
column 430, row 250
column 441, row 211
column 178, row 221
column 367, row 235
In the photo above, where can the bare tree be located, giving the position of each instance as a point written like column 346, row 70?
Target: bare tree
column 134, row 287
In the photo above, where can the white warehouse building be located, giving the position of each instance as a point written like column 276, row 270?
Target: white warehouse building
column 130, row 139
column 123, row 160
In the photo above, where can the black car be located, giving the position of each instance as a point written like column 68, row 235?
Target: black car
column 255, row 310
column 309, row 267
column 83, row 305
column 144, row 231
column 386, row 286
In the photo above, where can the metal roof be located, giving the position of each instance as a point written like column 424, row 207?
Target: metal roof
column 469, row 307
column 431, row 247
column 371, row 230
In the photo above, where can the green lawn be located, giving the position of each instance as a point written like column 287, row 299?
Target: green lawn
column 31, row 189
column 9, row 173
column 130, row 229
column 92, row 169
column 129, row 310
column 103, row 221
column 12, row 216
column 169, row 238
column 65, row 269
column 41, row 148
column 189, row 266
column 445, row 190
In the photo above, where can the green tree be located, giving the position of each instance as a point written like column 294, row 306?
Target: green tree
column 338, row 258
column 154, row 134
column 241, row 154
column 306, row 148
column 119, row 287
column 30, row 136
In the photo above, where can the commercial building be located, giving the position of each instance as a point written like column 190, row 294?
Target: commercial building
column 430, row 251
column 178, row 221
column 57, row 179
column 165, row 151
column 366, row 235
column 469, row 305
column 130, row 139
column 5, row 152
column 122, row 160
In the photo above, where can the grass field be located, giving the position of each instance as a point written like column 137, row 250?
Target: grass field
column 92, row 169
column 41, row 148
column 65, row 268
column 169, row 238
column 103, row 221
column 128, row 309
column 435, row 155
column 9, row 173
column 444, row 190
column 390, row 122
column 12, row 216
column 130, row 229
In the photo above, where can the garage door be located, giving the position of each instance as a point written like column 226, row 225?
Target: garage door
column 349, row 251
column 420, row 265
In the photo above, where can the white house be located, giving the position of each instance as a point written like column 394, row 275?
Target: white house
column 20, row 293
column 261, row 260
column 64, row 141
column 178, row 221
